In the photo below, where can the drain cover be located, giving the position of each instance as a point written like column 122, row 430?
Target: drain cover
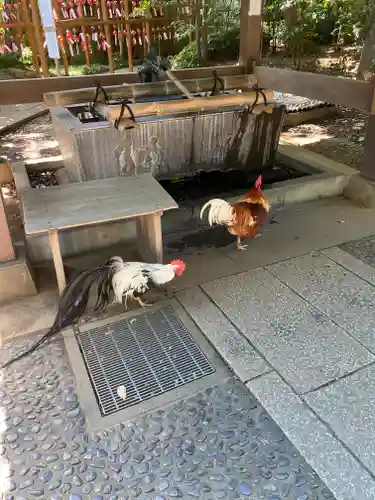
column 145, row 356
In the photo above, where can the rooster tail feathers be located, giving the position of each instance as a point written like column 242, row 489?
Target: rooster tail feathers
column 220, row 212
column 75, row 297
column 204, row 208
column 105, row 291
column 51, row 332
column 73, row 303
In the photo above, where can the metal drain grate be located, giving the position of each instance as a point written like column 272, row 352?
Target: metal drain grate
column 150, row 354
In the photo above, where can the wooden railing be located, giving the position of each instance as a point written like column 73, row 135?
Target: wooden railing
column 90, row 26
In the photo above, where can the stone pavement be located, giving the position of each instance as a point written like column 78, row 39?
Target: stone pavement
column 217, row 444
column 292, row 317
column 310, row 323
column 15, row 115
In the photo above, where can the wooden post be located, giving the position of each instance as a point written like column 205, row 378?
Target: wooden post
column 129, row 42
column 57, row 66
column 148, row 32
column 56, row 9
column 121, row 40
column 198, row 26
column 149, row 237
column 38, row 35
column 250, row 33
column 53, row 237
column 367, row 167
column 144, row 36
column 6, row 245
column 31, row 36
column 204, row 32
column 108, row 36
column 85, row 34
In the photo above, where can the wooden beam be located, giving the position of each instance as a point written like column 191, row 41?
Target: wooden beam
column 84, row 95
column 183, row 106
column 129, row 40
column 341, row 91
column 31, row 35
column 108, row 36
column 33, row 89
column 250, row 33
column 38, row 35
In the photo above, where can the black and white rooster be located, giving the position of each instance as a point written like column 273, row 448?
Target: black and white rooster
column 117, row 281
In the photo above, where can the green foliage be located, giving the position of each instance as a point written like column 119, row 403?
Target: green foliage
column 95, row 69
column 186, row 58
column 295, row 24
column 10, row 61
column 21, row 60
column 223, row 25
column 26, row 57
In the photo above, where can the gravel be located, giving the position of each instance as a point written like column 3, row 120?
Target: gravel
column 297, row 103
column 33, row 140
column 345, row 133
column 43, row 179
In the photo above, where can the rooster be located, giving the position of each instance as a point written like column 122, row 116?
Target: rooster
column 117, row 281
column 244, row 218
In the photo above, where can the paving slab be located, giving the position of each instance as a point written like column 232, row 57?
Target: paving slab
column 342, row 473
column 230, row 344
column 350, row 262
column 300, row 228
column 335, row 291
column 203, row 265
column 217, row 444
column 348, row 406
column 363, row 249
column 302, row 344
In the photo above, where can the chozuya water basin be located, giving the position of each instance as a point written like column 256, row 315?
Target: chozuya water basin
column 167, row 145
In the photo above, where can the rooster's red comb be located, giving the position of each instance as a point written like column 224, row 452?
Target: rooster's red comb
column 258, row 182
column 178, row 263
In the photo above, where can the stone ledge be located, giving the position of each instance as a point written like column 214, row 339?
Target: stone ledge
column 16, row 278
column 23, row 119
column 236, row 351
column 361, row 191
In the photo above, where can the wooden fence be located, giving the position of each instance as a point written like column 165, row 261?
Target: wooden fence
column 91, row 27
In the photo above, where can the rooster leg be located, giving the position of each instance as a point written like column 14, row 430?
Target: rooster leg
column 239, row 244
column 126, row 302
column 141, row 303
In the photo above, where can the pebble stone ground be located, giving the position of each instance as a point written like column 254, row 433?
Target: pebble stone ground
column 218, row 444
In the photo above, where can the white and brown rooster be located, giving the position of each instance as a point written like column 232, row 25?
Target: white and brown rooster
column 244, row 218
column 117, row 281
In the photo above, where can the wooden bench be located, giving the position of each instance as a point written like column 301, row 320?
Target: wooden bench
column 88, row 203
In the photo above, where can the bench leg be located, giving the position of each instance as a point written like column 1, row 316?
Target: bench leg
column 150, row 240
column 57, row 259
